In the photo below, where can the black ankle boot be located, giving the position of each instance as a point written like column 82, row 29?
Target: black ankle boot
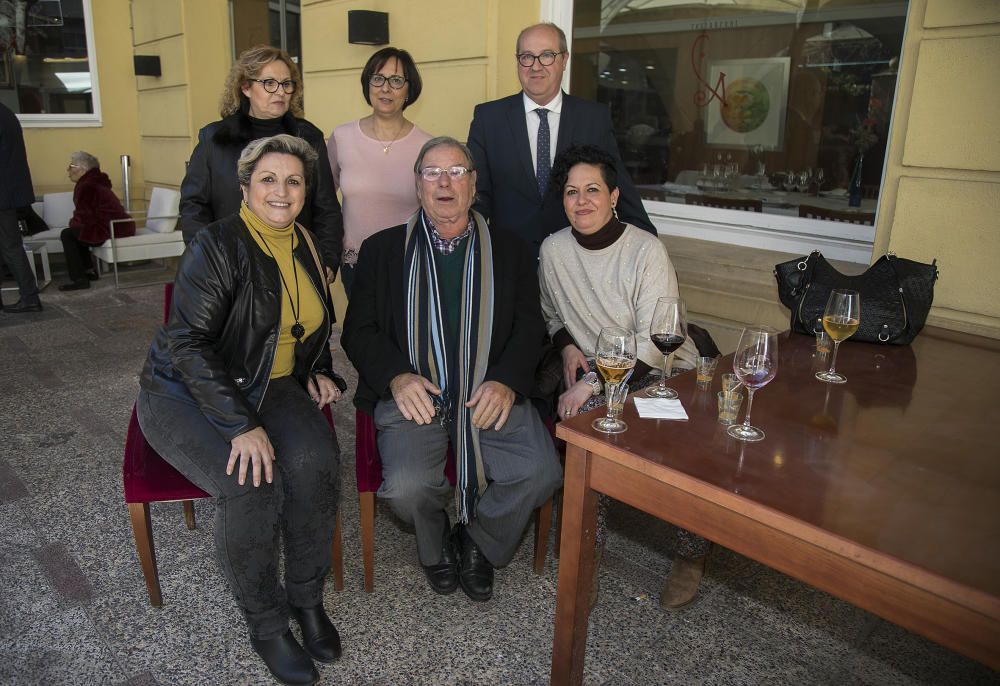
column 319, row 635
column 443, row 576
column 475, row 572
column 286, row 659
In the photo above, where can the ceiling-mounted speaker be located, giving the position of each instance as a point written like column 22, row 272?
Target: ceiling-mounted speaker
column 365, row 27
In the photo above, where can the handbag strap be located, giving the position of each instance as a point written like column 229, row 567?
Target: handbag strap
column 890, row 259
column 319, row 265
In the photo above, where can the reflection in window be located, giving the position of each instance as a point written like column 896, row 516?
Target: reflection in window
column 755, row 99
column 44, row 64
column 272, row 22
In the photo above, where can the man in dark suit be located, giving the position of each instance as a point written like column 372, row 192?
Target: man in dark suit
column 445, row 329
column 15, row 192
column 506, row 136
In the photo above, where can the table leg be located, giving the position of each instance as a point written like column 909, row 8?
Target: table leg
column 576, row 569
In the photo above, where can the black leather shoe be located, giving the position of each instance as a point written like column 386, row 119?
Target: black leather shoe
column 22, row 306
column 80, row 285
column 93, row 276
column 319, row 635
column 443, row 577
column 286, row 660
column 475, row 571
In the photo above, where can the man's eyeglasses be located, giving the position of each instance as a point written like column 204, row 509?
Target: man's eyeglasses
column 395, row 81
column 434, row 173
column 546, row 59
column 271, row 85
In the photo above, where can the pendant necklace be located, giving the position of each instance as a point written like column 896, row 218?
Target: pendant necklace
column 298, row 331
column 386, row 146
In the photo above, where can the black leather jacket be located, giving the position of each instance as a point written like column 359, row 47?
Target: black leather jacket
column 210, row 190
column 217, row 348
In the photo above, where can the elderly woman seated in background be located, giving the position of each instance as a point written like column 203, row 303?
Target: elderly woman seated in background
column 231, row 395
column 94, row 206
column 601, row 272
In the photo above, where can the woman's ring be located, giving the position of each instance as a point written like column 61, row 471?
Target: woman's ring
column 567, row 413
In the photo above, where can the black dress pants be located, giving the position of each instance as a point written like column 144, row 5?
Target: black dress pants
column 299, row 506
column 77, row 253
column 13, row 255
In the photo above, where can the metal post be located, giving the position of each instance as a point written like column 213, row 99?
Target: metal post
column 126, row 182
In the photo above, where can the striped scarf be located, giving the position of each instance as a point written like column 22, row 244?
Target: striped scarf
column 456, row 367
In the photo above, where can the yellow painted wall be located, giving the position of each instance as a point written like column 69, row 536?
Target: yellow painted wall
column 941, row 197
column 49, row 148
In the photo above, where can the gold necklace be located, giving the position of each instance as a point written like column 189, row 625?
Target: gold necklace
column 386, row 146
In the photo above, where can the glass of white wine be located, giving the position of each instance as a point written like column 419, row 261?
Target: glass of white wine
column 615, row 354
column 840, row 320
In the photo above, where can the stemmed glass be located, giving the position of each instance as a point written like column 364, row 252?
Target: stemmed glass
column 615, row 354
column 840, row 320
column 820, row 177
column 668, row 331
column 755, row 364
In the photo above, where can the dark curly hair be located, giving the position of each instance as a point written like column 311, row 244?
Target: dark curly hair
column 410, row 73
column 583, row 154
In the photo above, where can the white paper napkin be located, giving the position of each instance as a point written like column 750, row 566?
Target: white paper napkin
column 660, row 408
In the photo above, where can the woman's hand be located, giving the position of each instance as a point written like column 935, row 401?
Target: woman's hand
column 572, row 400
column 322, row 390
column 573, row 359
column 253, row 447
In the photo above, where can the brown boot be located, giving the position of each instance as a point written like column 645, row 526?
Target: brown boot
column 682, row 583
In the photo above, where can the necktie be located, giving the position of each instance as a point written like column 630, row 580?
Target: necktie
column 544, row 165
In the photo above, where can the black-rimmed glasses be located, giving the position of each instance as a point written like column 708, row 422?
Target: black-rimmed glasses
column 546, row 59
column 434, row 173
column 395, row 81
column 271, row 85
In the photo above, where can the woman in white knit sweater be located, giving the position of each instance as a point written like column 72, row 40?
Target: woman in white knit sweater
column 601, row 272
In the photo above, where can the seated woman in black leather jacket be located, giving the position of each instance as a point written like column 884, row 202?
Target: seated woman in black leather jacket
column 262, row 97
column 231, row 395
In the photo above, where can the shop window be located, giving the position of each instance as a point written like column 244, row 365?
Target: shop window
column 786, row 103
column 271, row 22
column 48, row 75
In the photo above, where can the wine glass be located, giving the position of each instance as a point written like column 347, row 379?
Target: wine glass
column 840, row 320
column 667, row 330
column 755, row 364
column 615, row 354
column 820, row 177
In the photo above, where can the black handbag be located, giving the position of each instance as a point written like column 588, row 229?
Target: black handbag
column 896, row 295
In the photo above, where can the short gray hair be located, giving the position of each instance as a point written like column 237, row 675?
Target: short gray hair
column 282, row 143
column 447, row 141
column 84, row 160
column 563, row 45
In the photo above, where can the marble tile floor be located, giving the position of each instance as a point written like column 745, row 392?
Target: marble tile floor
column 74, row 610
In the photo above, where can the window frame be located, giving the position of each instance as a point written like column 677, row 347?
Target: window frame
column 52, row 120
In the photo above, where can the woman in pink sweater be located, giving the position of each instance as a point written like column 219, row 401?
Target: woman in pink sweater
column 372, row 158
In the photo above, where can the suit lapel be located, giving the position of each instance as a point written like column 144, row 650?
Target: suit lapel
column 519, row 131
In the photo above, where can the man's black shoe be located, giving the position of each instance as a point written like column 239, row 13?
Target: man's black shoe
column 79, row 285
column 22, row 306
column 93, row 276
column 319, row 635
column 443, row 577
column 286, row 659
column 475, row 571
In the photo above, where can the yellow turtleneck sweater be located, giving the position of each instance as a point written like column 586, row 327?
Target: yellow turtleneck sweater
column 279, row 244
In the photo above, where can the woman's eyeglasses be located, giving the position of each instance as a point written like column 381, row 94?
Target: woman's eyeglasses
column 271, row 85
column 395, row 81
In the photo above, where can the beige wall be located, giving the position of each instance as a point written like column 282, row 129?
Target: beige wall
column 49, row 148
column 942, row 186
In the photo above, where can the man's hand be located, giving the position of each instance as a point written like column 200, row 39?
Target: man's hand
column 492, row 401
column 410, row 393
column 252, row 447
column 572, row 400
column 573, row 359
column 322, row 390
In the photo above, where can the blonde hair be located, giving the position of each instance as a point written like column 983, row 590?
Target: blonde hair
column 282, row 143
column 247, row 67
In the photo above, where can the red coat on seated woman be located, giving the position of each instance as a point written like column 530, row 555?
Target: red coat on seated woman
column 95, row 205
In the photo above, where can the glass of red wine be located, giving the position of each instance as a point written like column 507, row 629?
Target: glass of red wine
column 668, row 331
column 755, row 364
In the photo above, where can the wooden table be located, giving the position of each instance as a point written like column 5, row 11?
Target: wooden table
column 884, row 492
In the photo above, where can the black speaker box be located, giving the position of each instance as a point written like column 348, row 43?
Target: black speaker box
column 147, row 65
column 365, row 27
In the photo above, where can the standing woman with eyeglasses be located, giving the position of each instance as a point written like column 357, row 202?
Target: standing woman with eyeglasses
column 372, row 158
column 262, row 98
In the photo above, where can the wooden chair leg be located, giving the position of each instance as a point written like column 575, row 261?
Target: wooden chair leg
column 543, row 520
column 367, row 500
column 142, row 530
column 337, row 554
column 189, row 514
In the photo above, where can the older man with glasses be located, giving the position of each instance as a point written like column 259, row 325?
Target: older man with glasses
column 445, row 330
column 514, row 141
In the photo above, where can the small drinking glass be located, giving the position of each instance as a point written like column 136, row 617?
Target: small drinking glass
column 755, row 363
column 667, row 331
column 705, row 370
column 730, row 382
column 615, row 352
column 840, row 320
column 824, row 344
column 729, row 406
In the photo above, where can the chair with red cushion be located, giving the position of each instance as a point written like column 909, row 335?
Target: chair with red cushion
column 368, row 468
column 148, row 478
